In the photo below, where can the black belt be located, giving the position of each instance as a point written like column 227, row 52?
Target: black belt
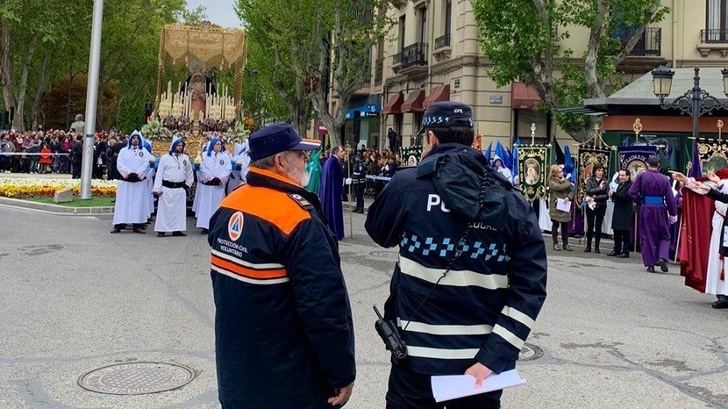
column 173, row 185
column 212, row 183
column 132, row 181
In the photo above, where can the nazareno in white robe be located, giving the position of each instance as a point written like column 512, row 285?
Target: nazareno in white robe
column 217, row 165
column 131, row 206
column 713, row 282
column 172, row 203
column 237, row 177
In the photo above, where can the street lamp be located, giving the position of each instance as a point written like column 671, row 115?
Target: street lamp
column 696, row 102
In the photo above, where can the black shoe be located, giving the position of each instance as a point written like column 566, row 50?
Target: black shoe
column 178, row 234
column 161, row 234
column 663, row 265
column 566, row 247
column 651, row 270
column 138, row 230
column 720, row 304
column 596, row 250
column 204, row 231
column 557, row 247
column 623, row 255
column 612, row 253
column 587, row 250
column 116, row 231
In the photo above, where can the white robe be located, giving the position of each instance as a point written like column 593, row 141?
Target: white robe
column 713, row 283
column 507, row 173
column 131, row 197
column 213, row 166
column 172, row 203
column 237, row 177
column 149, row 182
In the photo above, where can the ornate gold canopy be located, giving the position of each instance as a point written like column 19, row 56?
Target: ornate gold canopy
column 199, row 48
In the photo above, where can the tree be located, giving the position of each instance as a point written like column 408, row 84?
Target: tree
column 323, row 46
column 523, row 41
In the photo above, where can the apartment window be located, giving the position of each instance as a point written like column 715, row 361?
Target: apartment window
column 402, row 31
column 448, row 17
column 423, row 25
column 444, row 39
column 716, row 22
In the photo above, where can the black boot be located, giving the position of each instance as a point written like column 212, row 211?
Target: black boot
column 721, row 303
column 623, row 255
column 588, row 243
column 597, row 238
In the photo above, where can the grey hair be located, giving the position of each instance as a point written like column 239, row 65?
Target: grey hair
column 268, row 162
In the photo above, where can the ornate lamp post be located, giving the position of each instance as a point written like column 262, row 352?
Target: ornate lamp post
column 696, row 102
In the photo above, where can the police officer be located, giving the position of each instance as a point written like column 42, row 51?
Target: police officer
column 471, row 276
column 358, row 176
column 283, row 330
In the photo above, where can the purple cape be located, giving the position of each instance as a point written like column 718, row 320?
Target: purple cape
column 332, row 181
column 654, row 223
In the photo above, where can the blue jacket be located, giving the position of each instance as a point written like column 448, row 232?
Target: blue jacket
column 485, row 307
column 283, row 330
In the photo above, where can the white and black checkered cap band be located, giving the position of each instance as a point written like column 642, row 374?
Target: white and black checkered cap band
column 432, row 121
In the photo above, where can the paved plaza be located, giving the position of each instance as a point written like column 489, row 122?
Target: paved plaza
column 75, row 298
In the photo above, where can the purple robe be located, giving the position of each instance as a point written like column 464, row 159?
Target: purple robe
column 654, row 223
column 332, row 181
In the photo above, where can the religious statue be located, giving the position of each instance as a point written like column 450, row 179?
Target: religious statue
column 198, row 91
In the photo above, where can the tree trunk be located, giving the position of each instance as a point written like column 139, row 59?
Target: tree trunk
column 19, row 120
column 6, row 69
column 36, row 114
column 71, row 75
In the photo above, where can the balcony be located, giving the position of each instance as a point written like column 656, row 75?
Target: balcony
column 414, row 55
column 397, row 59
column 714, row 36
column 648, row 45
column 442, row 41
column 713, row 40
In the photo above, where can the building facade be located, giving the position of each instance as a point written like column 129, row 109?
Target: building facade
column 432, row 53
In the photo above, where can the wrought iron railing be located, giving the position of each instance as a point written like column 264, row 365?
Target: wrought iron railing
column 415, row 54
column 649, row 43
column 714, row 36
column 397, row 58
column 442, row 41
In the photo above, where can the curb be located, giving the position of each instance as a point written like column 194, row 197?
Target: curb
column 56, row 209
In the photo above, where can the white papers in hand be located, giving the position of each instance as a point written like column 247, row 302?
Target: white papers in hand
column 450, row 387
column 563, row 204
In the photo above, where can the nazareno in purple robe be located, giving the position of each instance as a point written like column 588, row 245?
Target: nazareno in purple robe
column 653, row 218
column 330, row 193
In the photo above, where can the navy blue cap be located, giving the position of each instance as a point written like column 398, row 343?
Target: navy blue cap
column 447, row 114
column 277, row 138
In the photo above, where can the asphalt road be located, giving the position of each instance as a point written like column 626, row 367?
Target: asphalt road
column 75, row 298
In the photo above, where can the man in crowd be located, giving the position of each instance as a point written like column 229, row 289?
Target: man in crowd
column 131, row 194
column 78, row 125
column 332, row 182
column 174, row 177
column 358, row 176
column 653, row 192
column 77, row 156
column 471, row 276
column 283, row 329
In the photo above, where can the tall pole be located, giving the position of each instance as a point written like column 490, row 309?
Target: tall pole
column 696, row 103
column 92, row 88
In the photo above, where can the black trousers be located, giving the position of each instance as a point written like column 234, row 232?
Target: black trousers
column 359, row 195
column 76, row 170
column 621, row 241
column 564, row 232
column 411, row 390
column 594, row 220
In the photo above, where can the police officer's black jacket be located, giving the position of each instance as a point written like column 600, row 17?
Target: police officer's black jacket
column 485, row 307
column 283, row 330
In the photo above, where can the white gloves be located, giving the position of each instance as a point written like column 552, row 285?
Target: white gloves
column 347, row 181
column 673, row 219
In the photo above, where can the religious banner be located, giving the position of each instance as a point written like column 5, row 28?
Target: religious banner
column 588, row 157
column 634, row 158
column 532, row 169
column 713, row 155
column 411, row 156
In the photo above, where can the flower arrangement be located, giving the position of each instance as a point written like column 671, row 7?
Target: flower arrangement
column 239, row 133
column 215, row 125
column 152, row 129
column 47, row 187
column 176, row 123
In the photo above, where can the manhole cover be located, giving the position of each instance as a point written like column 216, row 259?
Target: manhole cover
column 136, row 378
column 530, row 352
column 385, row 255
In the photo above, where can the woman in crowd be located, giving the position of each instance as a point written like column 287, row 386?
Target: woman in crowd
column 561, row 190
column 622, row 216
column 596, row 191
column 45, row 159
